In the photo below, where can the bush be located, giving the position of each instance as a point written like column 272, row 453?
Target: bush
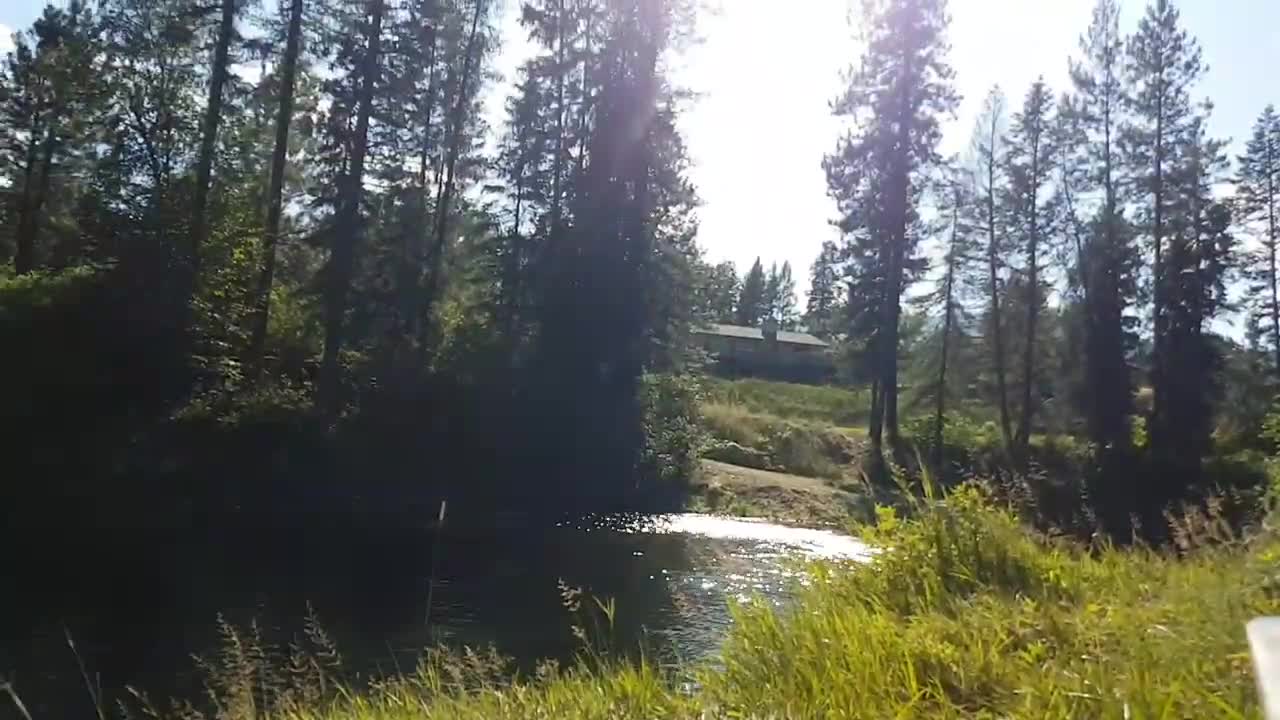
column 673, row 433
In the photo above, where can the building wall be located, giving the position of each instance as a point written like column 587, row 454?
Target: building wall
column 787, row 361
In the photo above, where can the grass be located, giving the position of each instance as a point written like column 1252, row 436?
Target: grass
column 799, row 429
column 826, row 404
column 967, row 614
column 964, row 613
column 721, row 488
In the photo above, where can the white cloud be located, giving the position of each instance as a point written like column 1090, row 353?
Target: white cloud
column 6, row 38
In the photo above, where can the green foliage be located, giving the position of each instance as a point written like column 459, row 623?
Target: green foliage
column 1270, row 432
column 672, row 429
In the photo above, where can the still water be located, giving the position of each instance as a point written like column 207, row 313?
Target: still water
column 138, row 608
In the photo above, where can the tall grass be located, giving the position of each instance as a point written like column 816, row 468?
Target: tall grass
column 835, row 406
column 774, row 443
column 963, row 613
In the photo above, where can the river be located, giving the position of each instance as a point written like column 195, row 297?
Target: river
column 137, row 608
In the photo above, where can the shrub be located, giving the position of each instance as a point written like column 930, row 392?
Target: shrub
column 673, row 433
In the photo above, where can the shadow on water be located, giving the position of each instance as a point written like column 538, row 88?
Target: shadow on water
column 138, row 606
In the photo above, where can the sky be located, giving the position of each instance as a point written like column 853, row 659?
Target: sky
column 764, row 73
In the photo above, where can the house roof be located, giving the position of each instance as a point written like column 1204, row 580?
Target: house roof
column 753, row 333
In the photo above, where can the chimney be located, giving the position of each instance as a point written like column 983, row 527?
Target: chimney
column 770, row 331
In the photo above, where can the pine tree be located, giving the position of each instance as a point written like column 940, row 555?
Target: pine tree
column 753, row 300
column 1164, row 64
column 1258, row 197
column 716, row 292
column 823, row 304
column 897, row 95
column 46, row 92
column 780, row 296
column 1030, row 158
column 347, row 225
column 520, row 159
column 1197, row 256
column 1105, row 259
column 955, row 198
column 288, row 73
column 474, row 50
column 990, row 177
column 218, row 74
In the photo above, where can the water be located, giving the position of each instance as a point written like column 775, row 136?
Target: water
column 138, row 608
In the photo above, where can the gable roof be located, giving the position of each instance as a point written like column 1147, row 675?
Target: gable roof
column 752, row 333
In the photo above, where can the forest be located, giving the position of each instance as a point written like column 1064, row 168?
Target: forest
column 254, row 252
column 273, row 281
column 247, row 245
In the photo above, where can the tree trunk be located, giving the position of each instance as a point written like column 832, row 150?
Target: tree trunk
column 1271, row 248
column 940, row 410
column 209, row 136
column 1158, row 388
column 557, row 173
column 24, row 258
column 275, row 191
column 347, row 225
column 1033, row 304
column 411, row 274
column 993, row 277
column 455, row 142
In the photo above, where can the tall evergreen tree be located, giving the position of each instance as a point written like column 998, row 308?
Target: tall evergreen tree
column 987, row 147
column 46, row 95
column 780, row 296
column 1030, row 158
column 1197, row 255
column 822, row 305
column 1258, row 197
column 458, row 116
column 1163, row 65
column 897, row 95
column 288, row 73
column 716, row 294
column 219, row 72
column 955, row 197
column 753, row 301
column 1092, row 199
column 348, row 225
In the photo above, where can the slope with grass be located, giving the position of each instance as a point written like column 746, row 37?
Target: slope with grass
column 722, row 488
column 798, row 429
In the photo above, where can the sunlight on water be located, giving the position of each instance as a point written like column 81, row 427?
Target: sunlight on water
column 811, row 542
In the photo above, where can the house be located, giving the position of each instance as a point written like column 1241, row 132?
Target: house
column 766, row 352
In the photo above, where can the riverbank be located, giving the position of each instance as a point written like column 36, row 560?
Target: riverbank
column 722, row 488
column 964, row 613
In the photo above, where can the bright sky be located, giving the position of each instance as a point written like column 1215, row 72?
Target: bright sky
column 766, row 70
